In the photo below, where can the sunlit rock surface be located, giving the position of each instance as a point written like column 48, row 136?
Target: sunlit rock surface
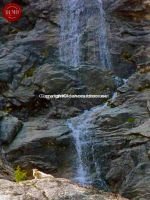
column 51, row 189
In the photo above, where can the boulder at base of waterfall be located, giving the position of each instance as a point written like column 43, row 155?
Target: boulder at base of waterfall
column 42, row 144
column 51, row 189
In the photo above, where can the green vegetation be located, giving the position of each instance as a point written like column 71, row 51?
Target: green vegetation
column 19, row 174
column 126, row 56
column 131, row 120
column 7, row 109
column 29, row 72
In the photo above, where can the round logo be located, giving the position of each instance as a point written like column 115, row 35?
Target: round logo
column 12, row 12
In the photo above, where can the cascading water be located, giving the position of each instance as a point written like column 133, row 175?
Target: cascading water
column 69, row 51
column 103, row 42
column 87, row 168
column 82, row 132
column 70, row 45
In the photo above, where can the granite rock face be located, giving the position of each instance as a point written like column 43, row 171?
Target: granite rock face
column 122, row 140
column 130, row 25
column 40, row 142
column 43, row 144
column 51, row 189
column 33, row 131
column 33, row 42
column 53, row 80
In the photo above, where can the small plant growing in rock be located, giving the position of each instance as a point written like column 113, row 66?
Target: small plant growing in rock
column 19, row 174
column 29, row 72
column 131, row 120
column 126, row 56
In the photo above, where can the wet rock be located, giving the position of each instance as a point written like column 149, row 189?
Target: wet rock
column 30, row 46
column 56, row 79
column 33, row 40
column 122, row 140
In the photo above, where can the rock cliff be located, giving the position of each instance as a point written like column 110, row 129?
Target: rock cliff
column 33, row 131
column 51, row 189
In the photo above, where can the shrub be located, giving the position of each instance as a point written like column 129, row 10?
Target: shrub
column 29, row 72
column 131, row 120
column 126, row 55
column 19, row 174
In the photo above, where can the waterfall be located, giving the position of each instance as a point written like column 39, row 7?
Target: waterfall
column 69, row 50
column 103, row 42
column 88, row 168
column 71, row 22
column 82, row 132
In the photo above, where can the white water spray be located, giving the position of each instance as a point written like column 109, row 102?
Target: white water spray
column 82, row 132
column 70, row 45
column 69, row 50
column 103, row 41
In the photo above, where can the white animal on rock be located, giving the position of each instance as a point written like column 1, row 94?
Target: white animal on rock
column 39, row 175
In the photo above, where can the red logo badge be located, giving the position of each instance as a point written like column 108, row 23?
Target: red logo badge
column 12, row 12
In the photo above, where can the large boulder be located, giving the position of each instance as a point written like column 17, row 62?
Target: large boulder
column 43, row 144
column 9, row 128
column 51, row 189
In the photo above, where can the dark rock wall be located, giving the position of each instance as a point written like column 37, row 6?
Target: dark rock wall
column 36, row 35
column 33, row 41
column 129, row 34
column 29, row 65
